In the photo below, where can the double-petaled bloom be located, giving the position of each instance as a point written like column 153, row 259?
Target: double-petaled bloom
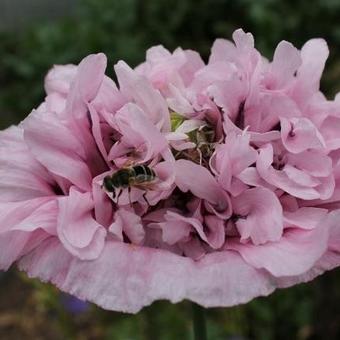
column 246, row 194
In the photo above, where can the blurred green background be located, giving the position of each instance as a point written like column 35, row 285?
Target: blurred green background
column 35, row 34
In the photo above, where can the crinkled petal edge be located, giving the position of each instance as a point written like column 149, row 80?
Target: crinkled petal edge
column 127, row 278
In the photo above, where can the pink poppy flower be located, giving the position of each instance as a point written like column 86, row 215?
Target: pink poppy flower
column 215, row 182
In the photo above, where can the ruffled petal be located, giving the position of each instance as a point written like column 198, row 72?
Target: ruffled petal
column 86, row 85
column 260, row 215
column 300, row 134
column 80, row 234
column 21, row 176
column 279, row 178
column 187, row 175
column 137, row 89
column 305, row 218
column 295, row 253
column 285, row 63
column 127, row 277
column 128, row 222
column 59, row 79
column 23, row 226
column 138, row 132
column 56, row 147
column 314, row 54
column 222, row 50
column 231, row 158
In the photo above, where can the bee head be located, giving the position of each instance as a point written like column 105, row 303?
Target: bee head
column 108, row 184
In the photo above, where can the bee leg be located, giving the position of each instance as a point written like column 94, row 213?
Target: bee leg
column 120, row 192
column 129, row 192
column 146, row 200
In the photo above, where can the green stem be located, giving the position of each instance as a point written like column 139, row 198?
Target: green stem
column 199, row 324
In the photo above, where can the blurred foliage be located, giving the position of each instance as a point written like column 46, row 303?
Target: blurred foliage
column 30, row 309
column 124, row 29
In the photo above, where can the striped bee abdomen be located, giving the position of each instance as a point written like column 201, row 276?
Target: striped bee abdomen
column 143, row 174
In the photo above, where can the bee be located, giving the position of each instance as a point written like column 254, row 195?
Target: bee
column 139, row 176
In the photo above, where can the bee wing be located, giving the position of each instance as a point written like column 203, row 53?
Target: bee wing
column 145, row 186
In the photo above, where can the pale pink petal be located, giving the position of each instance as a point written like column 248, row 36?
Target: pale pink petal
column 130, row 224
column 55, row 147
column 327, row 187
column 21, row 176
column 295, row 253
column 138, row 132
column 237, row 187
column 243, row 41
column 279, row 178
column 80, row 234
column 54, row 102
column 289, row 203
column 163, row 67
column 285, row 63
column 108, row 97
column 127, row 277
column 314, row 54
column 259, row 215
column 300, row 134
column 305, row 217
column 97, row 132
column 139, row 90
column 194, row 223
column 187, row 175
column 178, row 102
column 193, row 63
column 164, row 184
column 59, row 79
column 229, row 94
column 256, row 137
column 215, row 231
column 21, row 243
column 300, row 177
column 222, row 50
column 212, row 232
column 314, row 162
column 23, row 225
column 264, row 116
column 103, row 208
column 85, row 87
column 173, row 229
column 193, row 249
column 250, row 176
column 330, row 131
column 241, row 153
column 328, row 261
column 219, row 71
column 232, row 157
